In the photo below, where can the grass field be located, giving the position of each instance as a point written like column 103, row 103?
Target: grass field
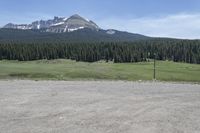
column 71, row 70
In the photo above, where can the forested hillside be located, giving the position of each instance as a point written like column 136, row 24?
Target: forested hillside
column 165, row 49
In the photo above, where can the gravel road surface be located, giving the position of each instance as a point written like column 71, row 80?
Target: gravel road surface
column 98, row 107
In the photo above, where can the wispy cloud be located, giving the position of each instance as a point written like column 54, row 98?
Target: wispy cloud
column 181, row 25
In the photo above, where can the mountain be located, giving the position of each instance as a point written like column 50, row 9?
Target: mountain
column 57, row 25
column 72, row 29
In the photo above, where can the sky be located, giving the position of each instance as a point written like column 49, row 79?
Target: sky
column 156, row 18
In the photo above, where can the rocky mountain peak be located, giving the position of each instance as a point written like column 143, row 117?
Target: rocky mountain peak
column 76, row 16
column 58, row 24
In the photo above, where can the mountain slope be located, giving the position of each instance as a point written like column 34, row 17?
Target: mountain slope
column 82, row 35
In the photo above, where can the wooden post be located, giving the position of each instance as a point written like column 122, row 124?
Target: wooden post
column 154, row 70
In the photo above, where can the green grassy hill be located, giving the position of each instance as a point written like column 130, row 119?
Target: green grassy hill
column 71, row 70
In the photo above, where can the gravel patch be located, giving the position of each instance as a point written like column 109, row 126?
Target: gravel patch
column 98, row 107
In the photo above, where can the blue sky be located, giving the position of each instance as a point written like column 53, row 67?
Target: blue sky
column 166, row 18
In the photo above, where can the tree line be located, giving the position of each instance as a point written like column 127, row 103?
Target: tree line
column 119, row 52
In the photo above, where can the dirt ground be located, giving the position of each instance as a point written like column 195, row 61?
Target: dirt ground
column 98, row 107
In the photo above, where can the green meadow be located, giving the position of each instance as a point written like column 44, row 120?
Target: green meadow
column 71, row 70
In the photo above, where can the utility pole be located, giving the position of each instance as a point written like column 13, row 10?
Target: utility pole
column 154, row 70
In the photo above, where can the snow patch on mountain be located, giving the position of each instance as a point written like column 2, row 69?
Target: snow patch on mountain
column 65, row 19
column 74, row 29
column 60, row 23
column 38, row 26
column 87, row 20
column 111, row 32
column 65, row 30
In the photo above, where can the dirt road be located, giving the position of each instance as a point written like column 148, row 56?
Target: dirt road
column 98, row 107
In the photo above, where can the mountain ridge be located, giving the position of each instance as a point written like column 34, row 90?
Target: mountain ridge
column 57, row 25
